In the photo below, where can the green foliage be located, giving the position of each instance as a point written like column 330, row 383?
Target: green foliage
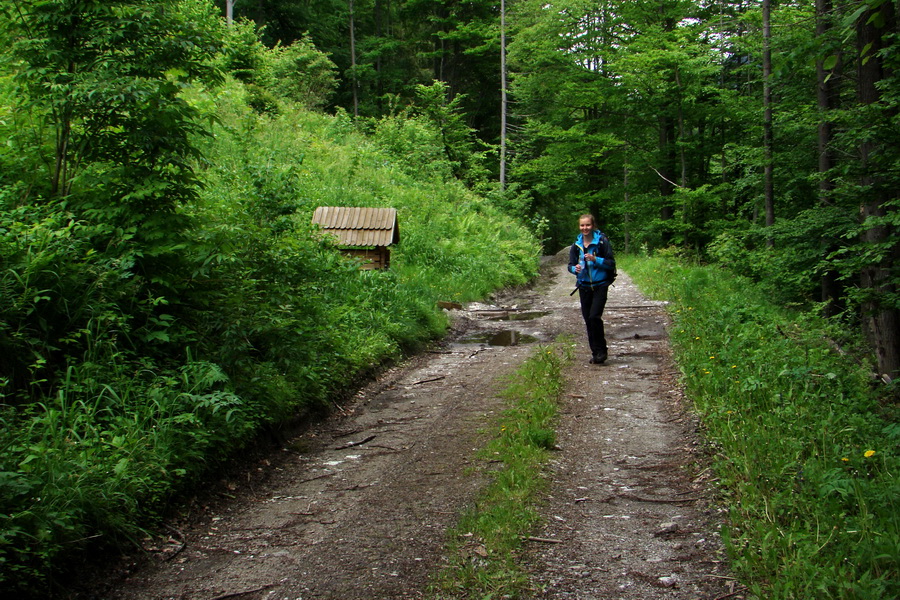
column 151, row 325
column 243, row 55
column 790, row 268
column 302, row 73
column 806, row 453
column 297, row 72
column 463, row 150
column 58, row 297
column 99, row 458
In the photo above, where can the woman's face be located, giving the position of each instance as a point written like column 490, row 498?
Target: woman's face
column 586, row 226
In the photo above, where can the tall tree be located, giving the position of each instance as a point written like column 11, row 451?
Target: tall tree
column 353, row 78
column 768, row 184
column 829, row 66
column 881, row 309
column 503, row 98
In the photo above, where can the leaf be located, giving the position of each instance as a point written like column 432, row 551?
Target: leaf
column 830, row 62
column 876, row 19
column 851, row 19
column 120, row 466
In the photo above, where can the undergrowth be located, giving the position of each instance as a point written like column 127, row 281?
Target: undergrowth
column 805, row 440
column 483, row 547
column 119, row 390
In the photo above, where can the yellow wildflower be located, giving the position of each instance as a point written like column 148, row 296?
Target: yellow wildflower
column 869, row 453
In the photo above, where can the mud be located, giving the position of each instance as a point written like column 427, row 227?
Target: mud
column 357, row 507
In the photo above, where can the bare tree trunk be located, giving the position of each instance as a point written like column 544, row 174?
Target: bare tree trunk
column 502, row 95
column 681, row 156
column 667, row 156
column 627, row 216
column 353, row 63
column 880, row 317
column 261, row 17
column 827, row 92
column 379, row 83
column 229, row 11
column 769, row 186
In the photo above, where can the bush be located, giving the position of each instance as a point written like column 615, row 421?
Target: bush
column 302, row 73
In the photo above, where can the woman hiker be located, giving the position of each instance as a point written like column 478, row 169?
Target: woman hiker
column 591, row 261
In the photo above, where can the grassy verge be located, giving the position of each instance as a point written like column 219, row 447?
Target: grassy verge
column 806, row 451
column 483, row 548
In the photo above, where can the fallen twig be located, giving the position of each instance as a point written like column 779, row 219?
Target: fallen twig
column 345, row 433
column 532, row 538
column 317, row 477
column 359, row 443
column 180, row 535
column 438, row 378
column 662, row 500
column 729, row 595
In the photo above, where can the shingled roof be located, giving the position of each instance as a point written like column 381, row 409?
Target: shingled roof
column 359, row 227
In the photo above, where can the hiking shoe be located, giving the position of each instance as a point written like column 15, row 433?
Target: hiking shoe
column 598, row 359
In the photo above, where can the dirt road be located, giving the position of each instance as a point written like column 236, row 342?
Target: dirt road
column 357, row 507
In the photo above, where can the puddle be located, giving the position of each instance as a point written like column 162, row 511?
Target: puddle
column 507, row 337
column 519, row 316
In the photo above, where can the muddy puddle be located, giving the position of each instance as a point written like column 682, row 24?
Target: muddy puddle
column 519, row 316
column 506, row 337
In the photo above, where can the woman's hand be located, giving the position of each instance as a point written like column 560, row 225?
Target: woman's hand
column 578, row 268
column 588, row 257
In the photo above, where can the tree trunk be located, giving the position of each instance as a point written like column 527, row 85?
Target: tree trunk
column 827, row 92
column 681, row 136
column 502, row 95
column 353, row 81
column 379, row 83
column 229, row 11
column 625, row 197
column 667, row 156
column 769, row 186
column 881, row 318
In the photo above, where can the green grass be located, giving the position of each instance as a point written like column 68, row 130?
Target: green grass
column 805, row 449
column 483, row 549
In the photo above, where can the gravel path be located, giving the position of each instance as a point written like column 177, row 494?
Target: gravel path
column 357, row 506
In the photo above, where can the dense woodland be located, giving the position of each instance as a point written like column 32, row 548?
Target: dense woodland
column 760, row 135
column 164, row 298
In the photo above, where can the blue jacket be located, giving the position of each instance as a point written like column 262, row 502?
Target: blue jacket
column 597, row 272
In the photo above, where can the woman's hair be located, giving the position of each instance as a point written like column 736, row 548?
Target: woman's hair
column 588, row 216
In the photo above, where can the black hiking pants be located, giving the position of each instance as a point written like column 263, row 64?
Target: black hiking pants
column 593, row 301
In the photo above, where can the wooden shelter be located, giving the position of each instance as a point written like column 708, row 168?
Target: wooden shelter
column 363, row 233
